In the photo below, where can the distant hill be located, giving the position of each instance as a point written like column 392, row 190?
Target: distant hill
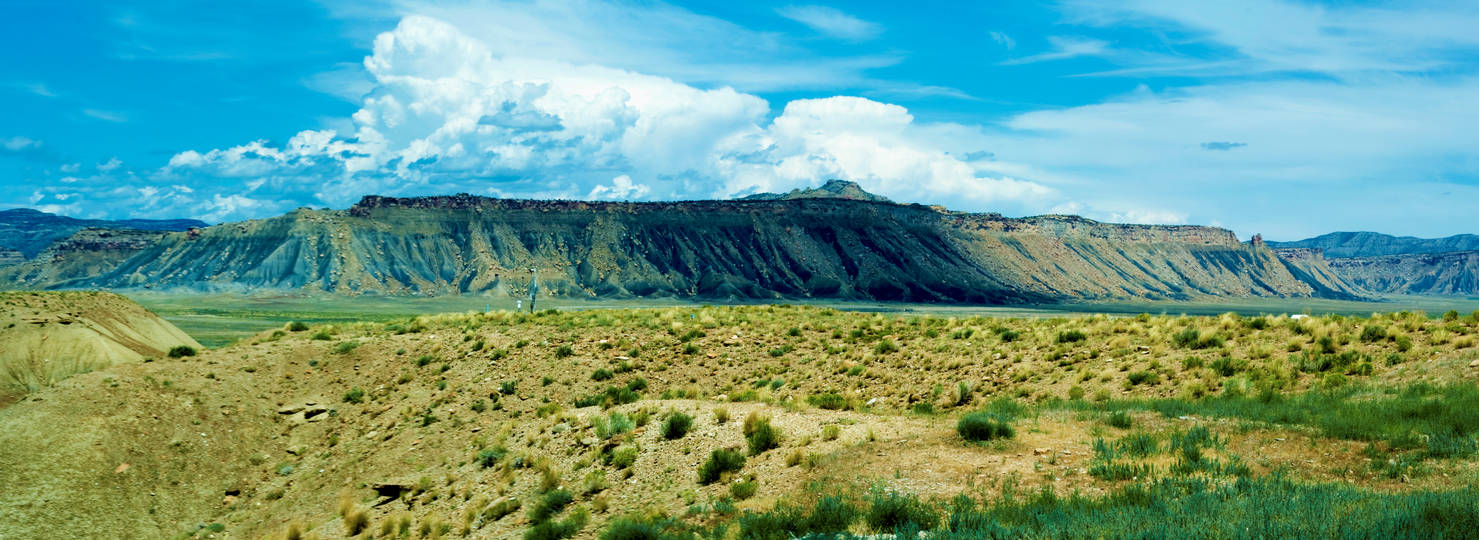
column 1370, row 244
column 833, row 189
column 30, row 231
column 86, row 254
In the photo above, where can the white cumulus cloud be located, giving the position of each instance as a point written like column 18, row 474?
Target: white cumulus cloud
column 447, row 114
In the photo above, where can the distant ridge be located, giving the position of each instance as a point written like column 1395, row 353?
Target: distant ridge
column 29, row 231
column 1369, row 244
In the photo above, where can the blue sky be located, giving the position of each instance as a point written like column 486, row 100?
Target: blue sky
column 1285, row 118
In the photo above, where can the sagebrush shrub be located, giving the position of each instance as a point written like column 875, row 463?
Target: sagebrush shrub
column 980, row 426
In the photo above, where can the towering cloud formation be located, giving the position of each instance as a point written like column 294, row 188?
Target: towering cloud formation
column 445, row 114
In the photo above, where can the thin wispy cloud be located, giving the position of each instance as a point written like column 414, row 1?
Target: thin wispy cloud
column 1001, row 38
column 832, row 22
column 1278, row 35
column 19, row 144
column 1063, row 48
column 40, row 89
column 106, row 116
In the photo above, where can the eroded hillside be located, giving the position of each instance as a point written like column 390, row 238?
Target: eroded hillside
column 46, row 337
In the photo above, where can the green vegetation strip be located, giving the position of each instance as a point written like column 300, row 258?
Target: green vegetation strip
column 1442, row 420
column 1270, row 507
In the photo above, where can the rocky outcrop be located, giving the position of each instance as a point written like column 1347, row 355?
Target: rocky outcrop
column 808, row 247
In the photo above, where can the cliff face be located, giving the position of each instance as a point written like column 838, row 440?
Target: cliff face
column 1311, row 267
column 1340, row 245
column 1455, row 273
column 797, row 248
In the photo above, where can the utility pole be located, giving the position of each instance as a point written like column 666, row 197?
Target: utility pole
column 533, row 289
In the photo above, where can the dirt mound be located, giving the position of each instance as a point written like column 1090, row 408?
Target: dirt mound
column 50, row 336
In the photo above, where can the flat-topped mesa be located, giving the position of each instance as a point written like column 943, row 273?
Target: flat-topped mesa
column 1058, row 226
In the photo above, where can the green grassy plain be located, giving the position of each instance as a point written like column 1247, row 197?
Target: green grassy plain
column 216, row 320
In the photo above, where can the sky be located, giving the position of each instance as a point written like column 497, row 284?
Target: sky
column 1286, row 118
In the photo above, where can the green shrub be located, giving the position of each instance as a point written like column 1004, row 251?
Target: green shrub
column 322, row 335
column 564, row 351
column 982, row 426
column 886, row 346
column 297, row 326
column 1114, row 471
column 829, row 401
column 743, row 490
column 612, row 396
column 1070, row 336
column 1138, row 444
column 1144, row 377
column 556, row 530
column 1373, row 333
column 889, row 511
column 490, row 456
column 549, row 505
column 719, row 462
column 355, row 395
column 1119, row 419
column 601, row 374
column 181, row 351
column 676, row 425
column 346, row 347
column 831, row 432
column 622, row 456
column 1187, row 338
column 613, row 424
column 646, row 529
column 1227, row 366
column 763, row 437
column 508, row 388
column 1075, row 392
